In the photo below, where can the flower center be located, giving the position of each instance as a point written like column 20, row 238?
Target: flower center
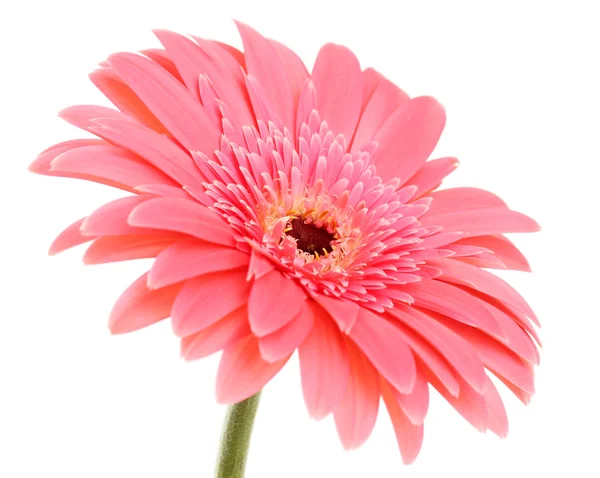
column 310, row 238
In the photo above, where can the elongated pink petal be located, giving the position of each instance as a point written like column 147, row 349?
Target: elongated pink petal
column 455, row 303
column 476, row 278
column 110, row 164
column 111, row 218
column 408, row 137
column 503, row 248
column 259, row 265
column 385, row 347
column 459, row 199
column 356, row 414
column 168, row 99
column 139, row 306
column 274, row 301
column 207, row 299
column 162, row 59
column 264, row 64
column 124, row 248
column 324, row 365
column 188, row 258
column 497, row 418
column 285, row 340
column 416, row 403
column 243, row 372
column 155, row 148
column 482, row 222
column 217, row 336
column 344, row 312
column 181, row 215
column 431, row 175
column 123, row 97
column 338, row 84
column 42, row 163
column 452, row 347
column 69, row 238
column 371, row 79
column 408, row 435
column 386, row 98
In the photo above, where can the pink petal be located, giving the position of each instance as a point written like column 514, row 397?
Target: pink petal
column 185, row 216
column 168, row 99
column 481, row 280
column 338, row 83
column 408, row 137
column 371, row 79
column 285, row 340
column 356, row 414
column 264, row 64
column 42, row 163
column 109, row 164
column 415, row 404
column 455, row 303
column 449, row 345
column 386, row 98
column 408, row 435
column 431, row 174
column 216, row 336
column 207, row 299
column 497, row 419
column 274, row 301
column 259, row 265
column 162, row 59
column 123, row 97
column 188, row 258
column 139, row 306
column 324, row 365
column 69, row 238
column 458, row 199
column 243, row 372
column 481, row 222
column 155, row 148
column 125, row 248
column 503, row 248
column 385, row 347
column 343, row 311
column 111, row 218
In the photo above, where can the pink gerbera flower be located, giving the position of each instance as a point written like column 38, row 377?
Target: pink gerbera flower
column 290, row 210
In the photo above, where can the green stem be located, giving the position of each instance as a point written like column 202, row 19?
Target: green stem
column 236, row 438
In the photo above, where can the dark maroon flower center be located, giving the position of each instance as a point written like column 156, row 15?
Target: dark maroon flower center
column 310, row 238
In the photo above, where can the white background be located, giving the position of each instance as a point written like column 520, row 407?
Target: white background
column 519, row 83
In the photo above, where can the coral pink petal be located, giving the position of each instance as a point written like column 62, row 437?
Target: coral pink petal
column 344, row 312
column 415, row 404
column 497, row 418
column 385, row 347
column 274, row 301
column 455, row 303
column 386, row 98
column 482, row 222
column 188, row 258
column 139, row 306
column 243, row 372
column 207, row 299
column 503, row 248
column 168, row 99
column 69, row 238
column 338, row 84
column 356, row 414
column 408, row 435
column 111, row 218
column 162, row 59
column 408, row 137
column 123, row 97
column 431, row 175
column 481, row 280
column 82, row 116
column 259, row 265
column 459, row 199
column 217, row 336
column 284, row 341
column 264, row 64
column 124, row 248
column 155, row 148
column 42, row 163
column 452, row 347
column 182, row 215
column 324, row 365
column 371, row 79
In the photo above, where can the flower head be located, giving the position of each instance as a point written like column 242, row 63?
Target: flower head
column 289, row 210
